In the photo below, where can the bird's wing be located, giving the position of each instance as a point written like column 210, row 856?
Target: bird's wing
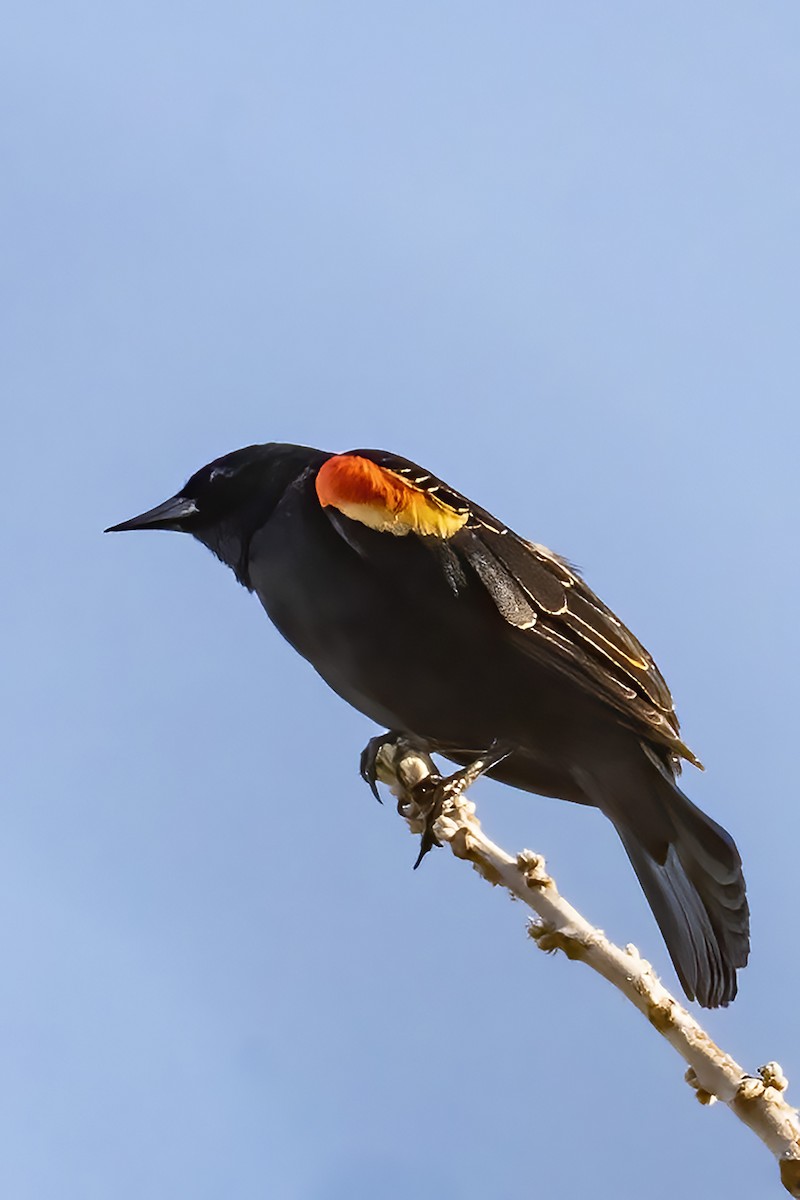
column 554, row 616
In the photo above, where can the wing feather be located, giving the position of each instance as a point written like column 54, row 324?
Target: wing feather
column 553, row 615
column 573, row 630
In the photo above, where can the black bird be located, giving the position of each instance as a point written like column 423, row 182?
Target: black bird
column 438, row 621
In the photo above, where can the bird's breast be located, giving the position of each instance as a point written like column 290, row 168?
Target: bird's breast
column 392, row 639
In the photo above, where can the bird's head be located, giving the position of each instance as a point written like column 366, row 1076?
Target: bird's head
column 224, row 502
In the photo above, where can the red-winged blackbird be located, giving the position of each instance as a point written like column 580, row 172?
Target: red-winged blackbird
column 436, row 620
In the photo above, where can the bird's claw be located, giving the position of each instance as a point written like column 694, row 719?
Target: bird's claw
column 428, row 796
column 399, row 760
column 449, row 788
column 432, row 793
column 428, row 838
column 368, row 765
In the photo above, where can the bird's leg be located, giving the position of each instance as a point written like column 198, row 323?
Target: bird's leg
column 459, row 781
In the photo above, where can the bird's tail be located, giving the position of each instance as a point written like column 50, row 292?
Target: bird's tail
column 691, row 874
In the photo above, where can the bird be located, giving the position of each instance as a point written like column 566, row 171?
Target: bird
column 438, row 621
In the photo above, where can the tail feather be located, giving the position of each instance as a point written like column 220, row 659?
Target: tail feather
column 697, row 893
column 691, row 874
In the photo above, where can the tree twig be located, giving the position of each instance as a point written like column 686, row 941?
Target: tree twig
column 757, row 1100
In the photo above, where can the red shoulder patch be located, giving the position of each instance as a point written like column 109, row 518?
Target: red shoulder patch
column 383, row 499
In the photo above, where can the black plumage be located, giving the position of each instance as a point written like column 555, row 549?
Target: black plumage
column 436, row 620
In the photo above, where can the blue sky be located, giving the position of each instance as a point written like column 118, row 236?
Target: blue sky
column 552, row 252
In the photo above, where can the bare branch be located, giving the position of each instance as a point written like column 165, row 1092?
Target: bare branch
column 757, row 1100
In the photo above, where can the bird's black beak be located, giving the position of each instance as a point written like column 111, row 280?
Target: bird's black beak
column 169, row 515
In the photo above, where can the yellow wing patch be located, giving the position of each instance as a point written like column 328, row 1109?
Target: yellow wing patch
column 384, row 500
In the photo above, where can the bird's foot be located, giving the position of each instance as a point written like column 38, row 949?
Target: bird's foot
column 406, row 765
column 371, row 763
column 443, row 790
column 399, row 761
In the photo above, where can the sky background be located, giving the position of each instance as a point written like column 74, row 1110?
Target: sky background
column 551, row 251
